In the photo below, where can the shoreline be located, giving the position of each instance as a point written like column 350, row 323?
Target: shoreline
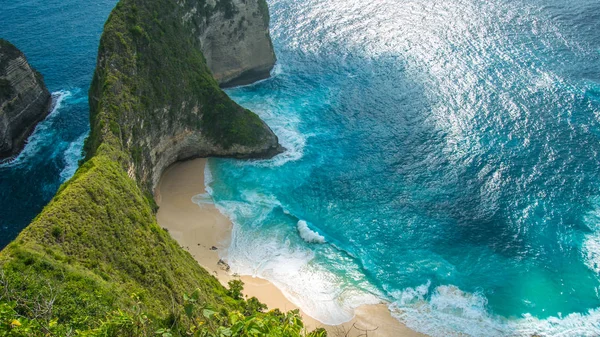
column 200, row 228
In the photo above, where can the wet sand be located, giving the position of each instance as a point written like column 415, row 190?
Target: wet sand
column 201, row 228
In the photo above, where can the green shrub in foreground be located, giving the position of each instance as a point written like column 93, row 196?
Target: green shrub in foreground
column 201, row 320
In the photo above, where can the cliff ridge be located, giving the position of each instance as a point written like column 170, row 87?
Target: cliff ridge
column 154, row 91
column 95, row 262
column 238, row 51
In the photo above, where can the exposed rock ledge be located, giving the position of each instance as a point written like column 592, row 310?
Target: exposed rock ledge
column 24, row 100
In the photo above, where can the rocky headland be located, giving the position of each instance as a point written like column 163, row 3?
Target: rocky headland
column 239, row 50
column 95, row 261
column 24, row 99
column 155, row 91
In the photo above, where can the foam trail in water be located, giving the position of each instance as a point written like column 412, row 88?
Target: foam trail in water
column 319, row 292
column 208, row 179
column 202, row 199
column 278, row 255
column 290, row 138
column 41, row 132
column 450, row 311
column 277, row 70
column 307, row 234
column 283, row 122
column 591, row 250
column 591, row 244
column 72, row 156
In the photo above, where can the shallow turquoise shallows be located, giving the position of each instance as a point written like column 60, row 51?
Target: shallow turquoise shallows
column 443, row 156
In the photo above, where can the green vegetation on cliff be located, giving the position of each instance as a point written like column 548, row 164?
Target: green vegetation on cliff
column 152, row 82
column 95, row 262
column 95, row 257
column 152, row 65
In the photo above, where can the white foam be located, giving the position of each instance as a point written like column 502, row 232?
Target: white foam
column 591, row 243
column 283, row 121
column 71, row 157
column 453, row 312
column 271, row 253
column 307, row 234
column 58, row 97
column 591, row 251
column 208, row 179
column 546, row 81
column 277, row 254
column 320, row 293
column 277, row 70
column 40, row 133
column 290, row 138
column 285, row 124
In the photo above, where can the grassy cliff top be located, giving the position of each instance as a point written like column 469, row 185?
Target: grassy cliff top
column 152, row 81
column 94, row 262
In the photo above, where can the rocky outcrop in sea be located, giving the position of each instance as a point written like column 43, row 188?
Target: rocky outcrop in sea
column 24, row 99
column 238, row 50
column 156, row 90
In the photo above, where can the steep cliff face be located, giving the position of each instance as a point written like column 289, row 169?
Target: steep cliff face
column 24, row 99
column 238, row 49
column 154, row 91
column 96, row 251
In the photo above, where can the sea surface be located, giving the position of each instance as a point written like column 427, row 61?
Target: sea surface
column 60, row 40
column 442, row 156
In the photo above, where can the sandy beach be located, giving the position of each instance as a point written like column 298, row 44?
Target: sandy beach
column 201, row 229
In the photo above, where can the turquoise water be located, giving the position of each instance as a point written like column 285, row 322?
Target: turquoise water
column 443, row 156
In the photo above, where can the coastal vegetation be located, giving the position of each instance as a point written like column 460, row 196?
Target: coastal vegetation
column 152, row 89
column 95, row 262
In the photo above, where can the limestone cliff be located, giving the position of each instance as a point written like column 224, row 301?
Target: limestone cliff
column 238, row 50
column 24, row 99
column 153, row 88
column 94, row 262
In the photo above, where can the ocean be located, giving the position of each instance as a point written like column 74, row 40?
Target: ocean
column 442, row 156
column 60, row 40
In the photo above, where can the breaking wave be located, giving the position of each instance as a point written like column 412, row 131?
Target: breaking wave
column 309, row 235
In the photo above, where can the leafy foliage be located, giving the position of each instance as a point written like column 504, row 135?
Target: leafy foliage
column 202, row 320
column 235, row 289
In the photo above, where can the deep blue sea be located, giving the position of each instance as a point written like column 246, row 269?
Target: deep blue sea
column 443, row 156
column 60, row 39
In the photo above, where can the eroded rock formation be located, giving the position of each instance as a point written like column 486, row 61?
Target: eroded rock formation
column 238, row 50
column 154, row 87
column 24, row 99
